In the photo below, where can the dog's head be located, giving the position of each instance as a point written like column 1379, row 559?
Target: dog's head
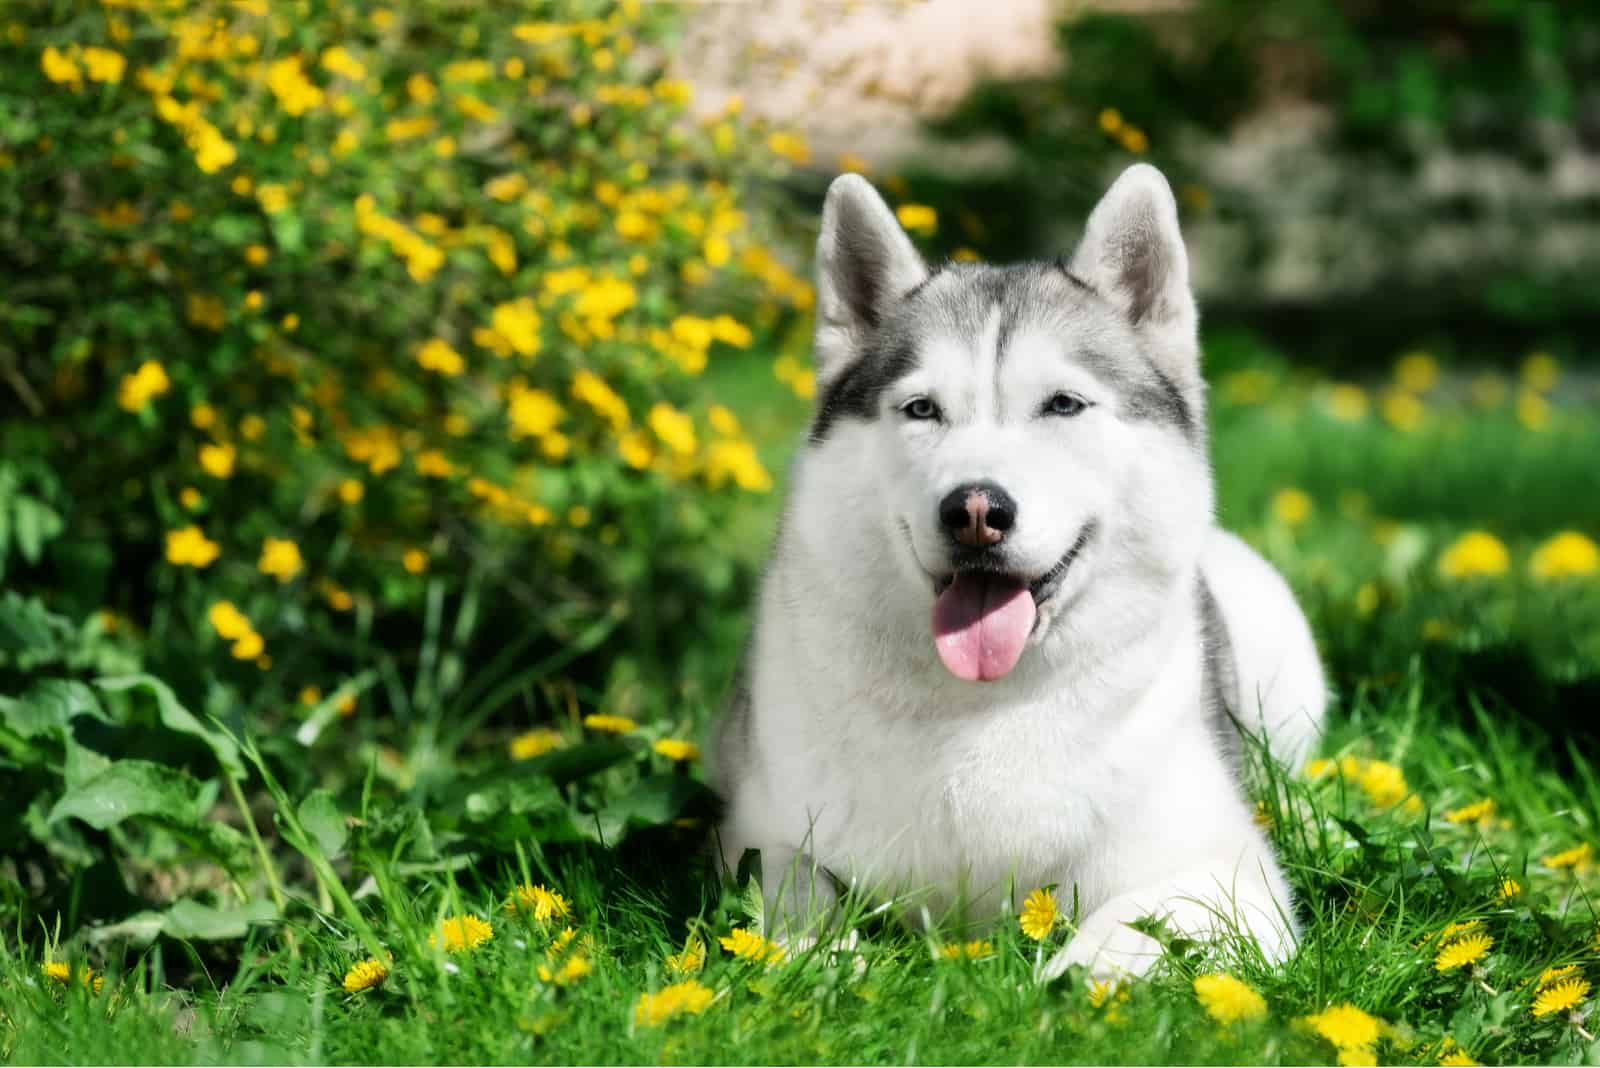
column 994, row 440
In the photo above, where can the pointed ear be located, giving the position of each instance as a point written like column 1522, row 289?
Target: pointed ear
column 1133, row 253
column 865, row 262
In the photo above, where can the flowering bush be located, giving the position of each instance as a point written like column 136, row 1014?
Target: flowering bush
column 325, row 313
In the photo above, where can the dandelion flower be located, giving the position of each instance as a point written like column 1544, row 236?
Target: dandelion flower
column 1229, row 1000
column 677, row 749
column 1509, row 888
column 535, row 743
column 364, row 975
column 190, row 547
column 61, row 972
column 545, row 904
column 1477, row 812
column 1561, row 996
column 1292, row 507
column 691, row 960
column 1039, row 914
column 461, row 933
column 1466, row 950
column 1459, row 1057
column 1346, row 1026
column 576, row 967
column 1567, row 555
column 1476, row 554
column 1101, row 991
column 280, row 558
column 609, row 724
column 688, row 997
column 747, row 945
column 1577, row 857
column 977, row 949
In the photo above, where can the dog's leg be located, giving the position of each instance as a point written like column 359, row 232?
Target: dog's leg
column 799, row 896
column 1249, row 899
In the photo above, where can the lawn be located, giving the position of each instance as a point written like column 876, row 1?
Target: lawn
column 1440, row 844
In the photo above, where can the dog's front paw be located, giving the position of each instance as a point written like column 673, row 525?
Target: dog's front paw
column 1108, row 947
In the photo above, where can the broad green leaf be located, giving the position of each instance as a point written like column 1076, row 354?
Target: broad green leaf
column 180, row 719
column 322, row 820
column 133, row 788
column 34, row 523
column 651, row 802
column 189, row 920
column 49, row 706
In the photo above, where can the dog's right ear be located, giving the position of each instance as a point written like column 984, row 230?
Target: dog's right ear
column 865, row 262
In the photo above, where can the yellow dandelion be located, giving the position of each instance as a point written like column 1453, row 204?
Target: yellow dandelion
column 572, row 969
column 1101, row 991
column 747, row 945
column 689, row 997
column 1477, row 812
column 977, row 949
column 1347, row 403
column 1475, row 554
column 1567, row 555
column 364, row 975
column 1417, row 372
column 1402, row 410
column 1346, row 1026
column 918, row 218
column 1459, row 1058
column 691, row 960
column 459, row 933
column 280, row 558
column 1577, row 858
column 1554, row 975
column 1292, row 507
column 61, row 972
column 677, row 749
column 189, row 547
column 534, row 743
column 218, row 460
column 1039, row 914
column 1229, row 1000
column 1560, row 996
column 540, row 901
column 1509, row 888
column 1463, row 951
column 607, row 724
column 415, row 561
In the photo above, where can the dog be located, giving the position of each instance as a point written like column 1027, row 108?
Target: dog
column 1001, row 642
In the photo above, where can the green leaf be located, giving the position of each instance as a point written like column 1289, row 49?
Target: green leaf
column 322, row 820
column 189, row 920
column 176, row 717
column 132, row 788
column 49, row 706
column 651, row 802
column 570, row 764
column 35, row 523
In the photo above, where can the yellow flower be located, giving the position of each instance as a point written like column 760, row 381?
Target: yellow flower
column 415, row 561
column 918, row 218
column 689, row 996
column 1459, row 1058
column 791, row 146
column 351, row 490
column 532, row 413
column 1229, row 1000
column 61, row 972
column 576, row 967
column 1474, row 554
column 1560, row 996
column 545, row 904
column 103, row 64
column 1477, row 812
column 431, row 463
column 296, row 93
column 364, row 975
column 228, row 621
column 691, row 960
column 190, row 547
column 280, row 558
column 677, row 749
column 977, row 949
column 674, row 428
column 273, row 197
column 459, row 933
column 337, row 60
column 248, row 647
column 1347, row 403
column 535, row 743
column 60, row 68
column 1346, row 1026
column 217, row 460
column 1533, row 411
column 747, row 945
column 437, row 355
column 190, row 498
column 609, row 724
column 1466, row 950
column 1509, row 888
column 1576, row 858
column 1039, row 914
column 734, row 459
column 1403, row 410
column 1382, row 782
column 1417, row 372
column 1539, row 371
column 1292, row 506
column 1567, row 554
column 135, row 391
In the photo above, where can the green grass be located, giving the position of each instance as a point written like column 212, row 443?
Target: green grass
column 1442, row 683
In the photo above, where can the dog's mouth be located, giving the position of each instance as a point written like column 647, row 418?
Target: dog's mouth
column 983, row 616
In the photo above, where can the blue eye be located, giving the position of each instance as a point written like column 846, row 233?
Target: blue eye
column 1064, row 404
column 920, row 408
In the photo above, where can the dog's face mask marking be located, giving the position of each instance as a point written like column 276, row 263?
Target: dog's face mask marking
column 1009, row 426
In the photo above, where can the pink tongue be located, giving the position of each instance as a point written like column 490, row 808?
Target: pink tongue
column 980, row 624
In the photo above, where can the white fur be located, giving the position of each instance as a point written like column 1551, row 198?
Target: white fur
column 1090, row 765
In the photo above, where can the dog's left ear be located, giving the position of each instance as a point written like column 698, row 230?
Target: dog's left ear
column 1133, row 253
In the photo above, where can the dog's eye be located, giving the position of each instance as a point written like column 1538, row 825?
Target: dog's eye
column 920, row 408
column 1064, row 404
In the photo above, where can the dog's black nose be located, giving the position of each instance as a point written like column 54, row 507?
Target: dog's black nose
column 978, row 514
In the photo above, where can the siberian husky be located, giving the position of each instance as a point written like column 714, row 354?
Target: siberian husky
column 1002, row 643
